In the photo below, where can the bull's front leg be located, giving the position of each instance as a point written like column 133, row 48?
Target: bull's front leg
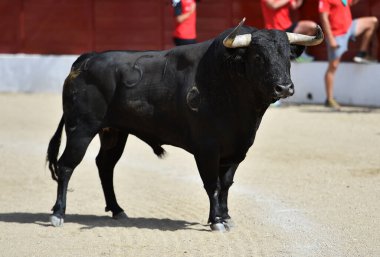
column 208, row 165
column 226, row 179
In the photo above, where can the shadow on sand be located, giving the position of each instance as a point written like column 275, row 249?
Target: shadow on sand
column 344, row 109
column 93, row 221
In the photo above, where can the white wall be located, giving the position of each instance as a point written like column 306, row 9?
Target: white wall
column 356, row 84
column 34, row 73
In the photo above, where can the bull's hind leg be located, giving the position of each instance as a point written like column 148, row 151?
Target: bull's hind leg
column 76, row 146
column 112, row 146
column 226, row 178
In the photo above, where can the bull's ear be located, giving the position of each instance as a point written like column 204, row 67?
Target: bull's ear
column 296, row 51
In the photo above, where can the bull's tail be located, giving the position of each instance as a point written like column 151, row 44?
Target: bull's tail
column 53, row 150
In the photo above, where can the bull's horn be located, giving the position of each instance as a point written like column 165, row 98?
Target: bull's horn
column 300, row 39
column 233, row 40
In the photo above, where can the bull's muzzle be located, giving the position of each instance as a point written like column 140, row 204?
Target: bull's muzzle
column 283, row 91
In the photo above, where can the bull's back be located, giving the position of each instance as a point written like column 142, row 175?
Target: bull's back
column 141, row 92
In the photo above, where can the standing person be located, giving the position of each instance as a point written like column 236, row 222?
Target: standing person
column 185, row 22
column 277, row 16
column 339, row 28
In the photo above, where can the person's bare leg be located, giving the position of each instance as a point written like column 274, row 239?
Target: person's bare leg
column 366, row 27
column 329, row 81
column 305, row 27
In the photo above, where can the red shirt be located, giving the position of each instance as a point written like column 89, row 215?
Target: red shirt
column 186, row 29
column 339, row 15
column 276, row 19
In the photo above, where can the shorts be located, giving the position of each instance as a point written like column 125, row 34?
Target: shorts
column 342, row 41
column 181, row 42
column 292, row 27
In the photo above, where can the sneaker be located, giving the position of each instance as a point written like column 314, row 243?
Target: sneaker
column 364, row 60
column 277, row 103
column 304, row 58
column 331, row 103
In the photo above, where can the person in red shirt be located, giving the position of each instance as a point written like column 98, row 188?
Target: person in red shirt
column 185, row 22
column 277, row 16
column 339, row 28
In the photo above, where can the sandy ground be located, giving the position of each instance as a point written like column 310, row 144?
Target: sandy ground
column 310, row 186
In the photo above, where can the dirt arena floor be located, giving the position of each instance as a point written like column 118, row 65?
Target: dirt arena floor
column 310, row 186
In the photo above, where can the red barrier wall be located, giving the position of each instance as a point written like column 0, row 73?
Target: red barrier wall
column 76, row 26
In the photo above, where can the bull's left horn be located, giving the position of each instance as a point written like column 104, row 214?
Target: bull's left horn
column 233, row 40
column 300, row 39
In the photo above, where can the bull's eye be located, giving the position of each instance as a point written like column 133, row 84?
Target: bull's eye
column 258, row 58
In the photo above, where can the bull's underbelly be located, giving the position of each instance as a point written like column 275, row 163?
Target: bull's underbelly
column 144, row 124
column 164, row 127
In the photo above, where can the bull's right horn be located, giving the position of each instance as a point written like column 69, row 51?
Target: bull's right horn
column 300, row 39
column 233, row 40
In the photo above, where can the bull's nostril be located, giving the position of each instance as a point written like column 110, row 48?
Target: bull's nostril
column 284, row 90
column 278, row 89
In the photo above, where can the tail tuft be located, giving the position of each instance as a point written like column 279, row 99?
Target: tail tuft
column 159, row 151
column 53, row 150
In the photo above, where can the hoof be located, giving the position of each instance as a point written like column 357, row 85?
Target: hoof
column 229, row 224
column 55, row 221
column 120, row 216
column 218, row 227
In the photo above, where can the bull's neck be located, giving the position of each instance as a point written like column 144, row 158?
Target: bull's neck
column 224, row 83
column 248, row 101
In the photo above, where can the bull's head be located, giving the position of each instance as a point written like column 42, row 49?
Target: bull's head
column 267, row 57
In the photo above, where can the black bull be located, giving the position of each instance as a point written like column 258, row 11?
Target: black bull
column 208, row 98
